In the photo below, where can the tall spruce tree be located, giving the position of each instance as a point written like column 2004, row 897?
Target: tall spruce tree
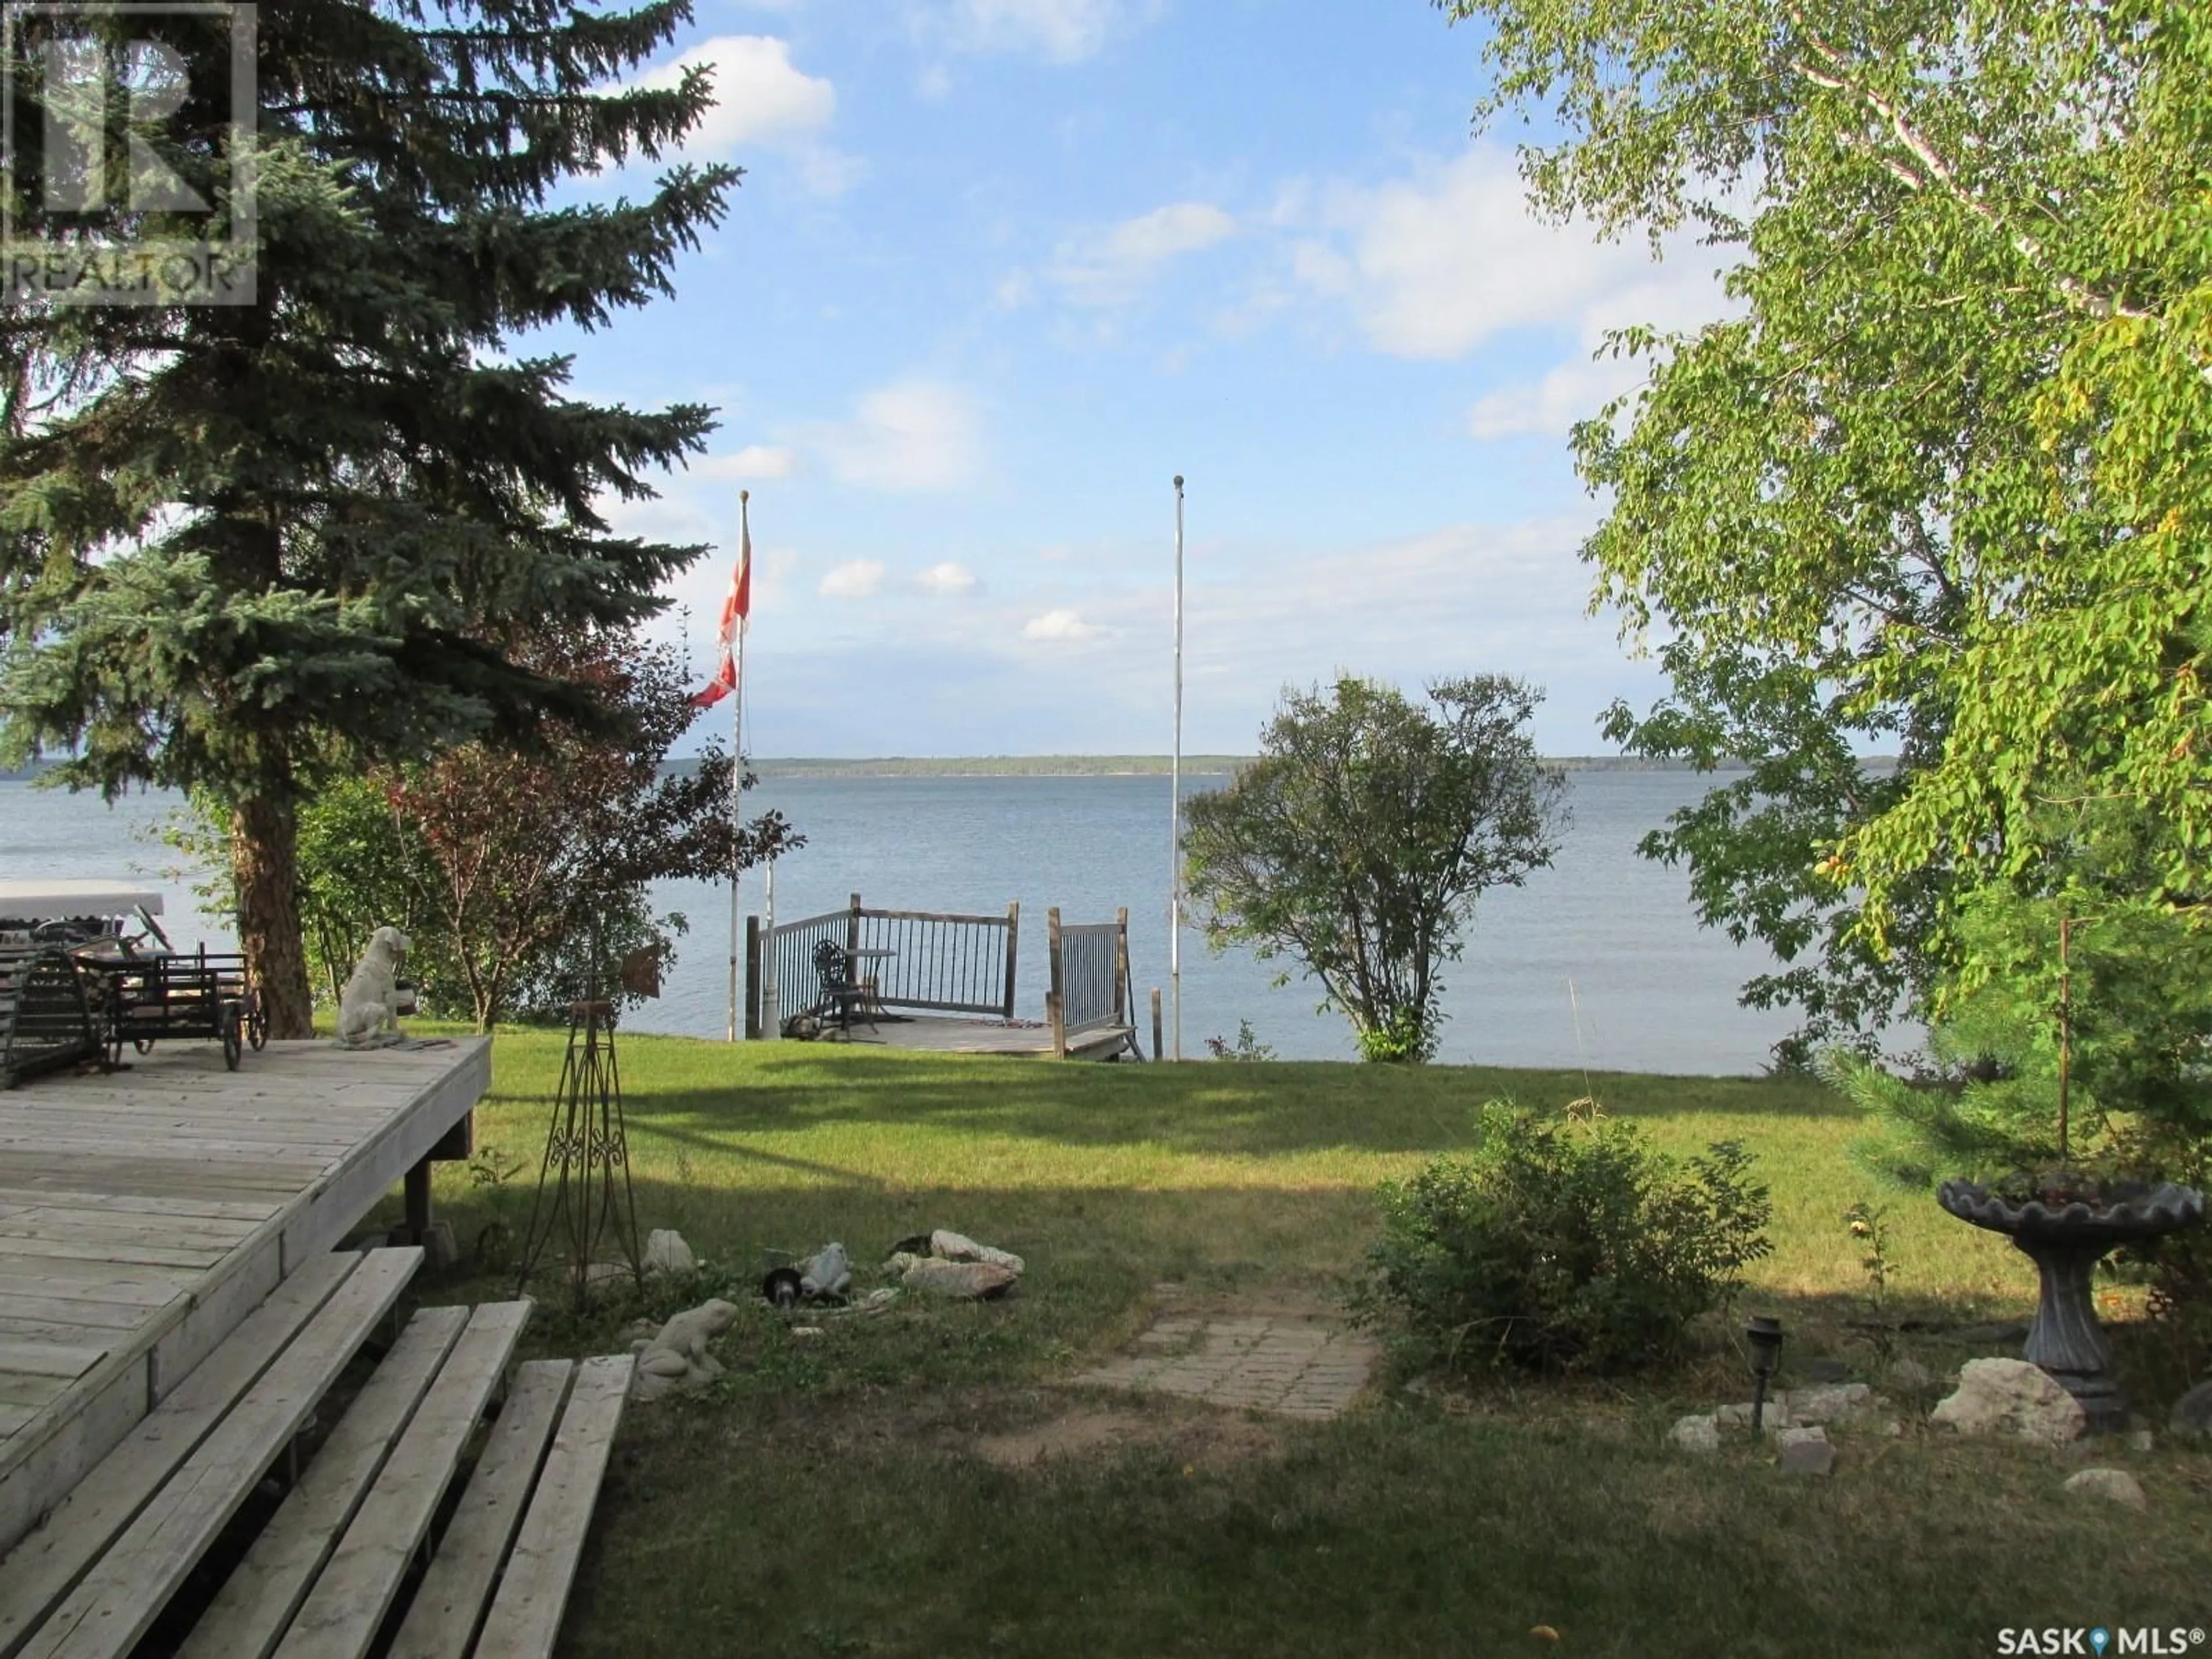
column 245, row 546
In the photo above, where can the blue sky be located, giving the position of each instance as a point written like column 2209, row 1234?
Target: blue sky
column 1000, row 269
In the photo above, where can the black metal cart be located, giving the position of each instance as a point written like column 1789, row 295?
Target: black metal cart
column 168, row 997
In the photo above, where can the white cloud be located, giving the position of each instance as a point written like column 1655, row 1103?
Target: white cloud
column 1015, row 291
column 1059, row 625
column 1059, row 31
column 753, row 461
column 1434, row 266
column 947, row 581
column 760, row 96
column 1571, row 392
column 912, row 435
column 856, row 579
column 1111, row 267
column 763, row 98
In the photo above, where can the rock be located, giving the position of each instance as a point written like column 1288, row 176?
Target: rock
column 1824, row 1371
column 1806, row 1451
column 2114, row 1486
column 2140, row 1440
column 675, row 1360
column 1772, row 1421
column 1831, row 1402
column 439, row 1249
column 806, row 1333
column 1696, row 1434
column 2191, row 1418
column 965, row 1281
column 827, row 1272
column 1911, row 1376
column 958, row 1247
column 665, row 1252
column 2011, row 1397
column 1893, row 1429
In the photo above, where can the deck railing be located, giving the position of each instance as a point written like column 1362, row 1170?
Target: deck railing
column 1090, row 976
column 937, row 963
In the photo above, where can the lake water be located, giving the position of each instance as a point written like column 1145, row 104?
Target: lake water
column 1655, row 991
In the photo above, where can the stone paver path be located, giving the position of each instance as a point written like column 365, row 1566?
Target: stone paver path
column 1299, row 1367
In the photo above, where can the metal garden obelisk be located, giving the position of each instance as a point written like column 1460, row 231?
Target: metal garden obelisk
column 1174, row 800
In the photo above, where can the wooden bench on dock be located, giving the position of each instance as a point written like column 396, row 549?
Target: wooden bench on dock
column 327, row 1572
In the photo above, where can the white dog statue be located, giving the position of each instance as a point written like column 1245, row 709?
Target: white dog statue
column 369, row 1012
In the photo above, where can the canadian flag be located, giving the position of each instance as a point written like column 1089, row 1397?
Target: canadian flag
column 737, row 606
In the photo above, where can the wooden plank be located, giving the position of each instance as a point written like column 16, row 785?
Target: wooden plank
column 46, row 1221
column 342, row 1612
column 248, row 1617
column 113, row 1251
column 526, row 1616
column 115, row 1602
column 47, row 1358
column 449, row 1604
column 46, row 1563
column 145, row 1284
column 33, row 1391
column 135, row 1204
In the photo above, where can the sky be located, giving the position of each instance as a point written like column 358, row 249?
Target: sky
column 999, row 270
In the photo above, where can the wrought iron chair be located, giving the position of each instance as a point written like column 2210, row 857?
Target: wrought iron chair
column 841, row 991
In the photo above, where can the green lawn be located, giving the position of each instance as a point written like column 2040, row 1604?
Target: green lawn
column 833, row 1497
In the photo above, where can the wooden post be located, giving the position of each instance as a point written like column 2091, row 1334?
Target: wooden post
column 1158, row 1053
column 752, row 979
column 853, row 925
column 1121, row 966
column 1013, row 937
column 1054, row 1008
column 417, row 1221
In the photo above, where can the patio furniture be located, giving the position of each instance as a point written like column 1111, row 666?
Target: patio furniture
column 845, row 995
column 45, row 1022
column 165, row 997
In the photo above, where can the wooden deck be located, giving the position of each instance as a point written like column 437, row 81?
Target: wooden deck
column 938, row 1035
column 145, row 1213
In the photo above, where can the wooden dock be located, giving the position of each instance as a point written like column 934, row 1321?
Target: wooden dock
column 925, row 1034
column 145, row 1213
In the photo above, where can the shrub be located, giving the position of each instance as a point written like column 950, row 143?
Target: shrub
column 1561, row 1247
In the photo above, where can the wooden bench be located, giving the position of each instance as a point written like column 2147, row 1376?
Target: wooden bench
column 324, row 1574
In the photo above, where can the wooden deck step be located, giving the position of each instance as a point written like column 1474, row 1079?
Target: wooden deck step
column 46, row 1563
column 257, row 1602
column 106, row 1613
column 343, row 1612
column 526, row 1616
column 449, row 1605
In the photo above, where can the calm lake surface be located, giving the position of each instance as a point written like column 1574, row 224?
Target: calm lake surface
column 1655, row 992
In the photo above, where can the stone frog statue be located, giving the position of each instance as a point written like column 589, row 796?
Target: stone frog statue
column 369, row 1007
column 675, row 1361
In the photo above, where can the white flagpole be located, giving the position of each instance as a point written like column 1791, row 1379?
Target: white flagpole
column 1174, row 796
column 738, row 764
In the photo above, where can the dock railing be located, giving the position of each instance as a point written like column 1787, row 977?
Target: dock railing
column 1090, row 976
column 937, row 963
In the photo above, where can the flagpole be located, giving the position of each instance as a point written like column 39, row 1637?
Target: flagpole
column 1174, row 800
column 738, row 764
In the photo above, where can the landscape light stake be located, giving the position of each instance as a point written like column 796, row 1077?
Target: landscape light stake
column 587, row 1150
column 1763, row 1333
